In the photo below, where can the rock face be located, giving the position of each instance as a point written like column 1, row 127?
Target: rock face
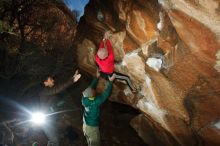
column 171, row 51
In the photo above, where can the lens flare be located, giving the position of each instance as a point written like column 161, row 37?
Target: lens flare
column 38, row 118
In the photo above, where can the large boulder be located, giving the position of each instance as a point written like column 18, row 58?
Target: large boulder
column 170, row 50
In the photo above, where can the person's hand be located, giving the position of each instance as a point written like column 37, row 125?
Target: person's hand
column 97, row 73
column 112, row 77
column 106, row 35
column 76, row 76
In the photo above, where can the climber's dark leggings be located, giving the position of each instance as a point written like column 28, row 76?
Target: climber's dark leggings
column 119, row 76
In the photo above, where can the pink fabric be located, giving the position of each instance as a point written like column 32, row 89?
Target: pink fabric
column 106, row 65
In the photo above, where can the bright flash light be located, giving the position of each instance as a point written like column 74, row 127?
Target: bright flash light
column 38, row 118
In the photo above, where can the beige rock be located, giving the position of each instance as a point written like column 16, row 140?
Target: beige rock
column 179, row 101
column 117, row 44
column 86, row 55
column 217, row 65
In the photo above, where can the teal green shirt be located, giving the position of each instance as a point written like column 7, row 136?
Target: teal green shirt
column 91, row 113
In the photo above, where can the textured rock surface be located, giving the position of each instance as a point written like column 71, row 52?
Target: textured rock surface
column 179, row 100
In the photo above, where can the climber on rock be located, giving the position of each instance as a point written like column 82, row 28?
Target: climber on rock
column 91, row 103
column 105, row 61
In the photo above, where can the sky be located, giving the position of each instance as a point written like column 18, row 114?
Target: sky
column 77, row 5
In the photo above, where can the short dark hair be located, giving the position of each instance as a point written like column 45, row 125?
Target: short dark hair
column 45, row 77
